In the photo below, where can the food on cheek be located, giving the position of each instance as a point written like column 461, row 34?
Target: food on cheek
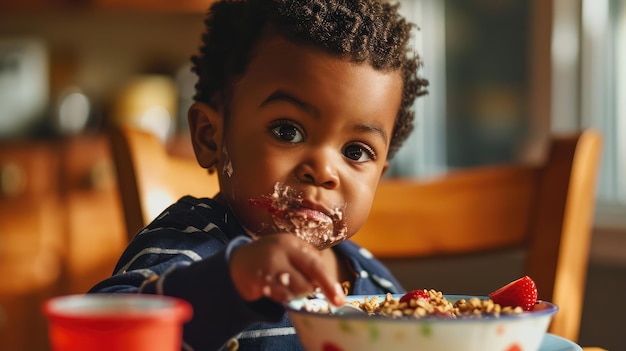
column 319, row 229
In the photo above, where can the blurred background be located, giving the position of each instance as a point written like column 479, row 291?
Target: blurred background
column 504, row 75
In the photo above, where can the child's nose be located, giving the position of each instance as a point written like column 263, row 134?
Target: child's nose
column 319, row 169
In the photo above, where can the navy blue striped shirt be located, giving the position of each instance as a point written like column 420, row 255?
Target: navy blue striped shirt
column 185, row 252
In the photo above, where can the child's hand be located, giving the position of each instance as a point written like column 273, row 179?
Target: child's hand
column 281, row 267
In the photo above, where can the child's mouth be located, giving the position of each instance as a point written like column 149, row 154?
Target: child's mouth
column 290, row 214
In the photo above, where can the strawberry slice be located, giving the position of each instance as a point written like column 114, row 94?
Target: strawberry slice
column 521, row 292
column 414, row 295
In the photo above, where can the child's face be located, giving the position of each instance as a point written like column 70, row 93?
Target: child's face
column 306, row 123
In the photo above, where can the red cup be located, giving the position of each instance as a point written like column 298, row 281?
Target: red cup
column 108, row 322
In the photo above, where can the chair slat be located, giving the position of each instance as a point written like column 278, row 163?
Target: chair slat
column 464, row 212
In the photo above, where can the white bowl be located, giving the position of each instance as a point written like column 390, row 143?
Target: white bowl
column 324, row 332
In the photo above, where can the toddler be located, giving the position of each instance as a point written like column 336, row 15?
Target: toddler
column 300, row 105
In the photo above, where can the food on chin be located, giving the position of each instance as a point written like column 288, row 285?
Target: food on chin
column 285, row 205
column 514, row 298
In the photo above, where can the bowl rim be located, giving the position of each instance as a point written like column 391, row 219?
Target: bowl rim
column 547, row 309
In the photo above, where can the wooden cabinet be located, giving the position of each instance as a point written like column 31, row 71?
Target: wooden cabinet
column 94, row 226
column 30, row 240
column 30, row 228
column 61, row 229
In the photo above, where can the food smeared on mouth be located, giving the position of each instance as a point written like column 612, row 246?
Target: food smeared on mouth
column 320, row 229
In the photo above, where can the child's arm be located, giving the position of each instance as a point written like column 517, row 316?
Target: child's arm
column 219, row 310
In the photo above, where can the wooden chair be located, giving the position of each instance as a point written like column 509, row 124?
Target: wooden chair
column 545, row 210
column 150, row 179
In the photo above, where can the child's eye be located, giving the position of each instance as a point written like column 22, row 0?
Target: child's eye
column 359, row 153
column 287, row 132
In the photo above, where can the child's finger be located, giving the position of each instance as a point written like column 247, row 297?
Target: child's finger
column 309, row 262
column 286, row 286
column 277, row 292
column 335, row 294
column 296, row 283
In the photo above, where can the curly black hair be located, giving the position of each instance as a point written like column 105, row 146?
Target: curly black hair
column 369, row 31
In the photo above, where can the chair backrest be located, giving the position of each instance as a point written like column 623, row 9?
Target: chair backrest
column 546, row 210
column 150, row 179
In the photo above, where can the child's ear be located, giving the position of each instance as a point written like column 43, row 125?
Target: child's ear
column 205, row 126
